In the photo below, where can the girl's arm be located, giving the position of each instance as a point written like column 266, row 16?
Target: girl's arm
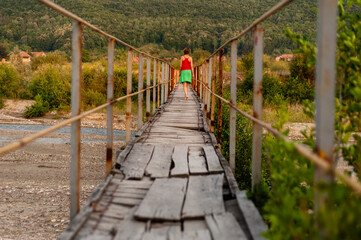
column 192, row 67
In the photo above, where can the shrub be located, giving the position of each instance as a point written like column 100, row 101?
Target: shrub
column 38, row 109
column 2, row 103
column 93, row 98
column 298, row 89
column 10, row 84
column 54, row 58
column 52, row 84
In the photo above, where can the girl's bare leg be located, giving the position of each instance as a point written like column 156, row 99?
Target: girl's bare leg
column 185, row 88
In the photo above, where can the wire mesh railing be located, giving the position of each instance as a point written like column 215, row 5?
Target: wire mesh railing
column 163, row 78
column 205, row 87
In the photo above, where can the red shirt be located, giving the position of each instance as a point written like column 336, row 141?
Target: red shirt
column 186, row 64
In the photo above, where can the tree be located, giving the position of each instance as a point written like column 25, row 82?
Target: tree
column 3, row 51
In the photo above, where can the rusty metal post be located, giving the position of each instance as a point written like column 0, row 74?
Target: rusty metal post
column 76, row 77
column 162, row 88
column 200, row 82
column 167, row 82
column 129, row 99
column 209, row 80
column 257, row 106
column 140, row 95
column 325, row 89
column 154, row 83
column 110, row 96
column 220, row 93
column 158, row 88
column 198, row 78
column 147, row 104
column 233, row 90
column 213, row 90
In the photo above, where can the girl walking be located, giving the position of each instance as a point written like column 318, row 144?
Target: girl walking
column 186, row 69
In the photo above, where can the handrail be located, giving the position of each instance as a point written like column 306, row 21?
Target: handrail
column 266, row 15
column 29, row 139
column 69, row 14
column 313, row 157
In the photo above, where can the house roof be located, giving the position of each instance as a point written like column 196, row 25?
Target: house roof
column 37, row 54
column 24, row 54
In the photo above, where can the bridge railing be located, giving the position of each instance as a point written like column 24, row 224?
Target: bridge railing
column 205, row 87
column 162, row 71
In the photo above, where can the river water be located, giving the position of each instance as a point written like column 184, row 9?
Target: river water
column 84, row 131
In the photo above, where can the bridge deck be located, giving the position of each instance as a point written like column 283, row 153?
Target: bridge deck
column 172, row 183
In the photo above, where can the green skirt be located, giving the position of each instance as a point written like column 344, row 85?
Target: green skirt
column 186, row 76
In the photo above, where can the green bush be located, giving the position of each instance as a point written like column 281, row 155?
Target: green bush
column 298, row 89
column 52, row 84
column 54, row 58
column 38, row 109
column 93, row 98
column 2, row 103
column 10, row 84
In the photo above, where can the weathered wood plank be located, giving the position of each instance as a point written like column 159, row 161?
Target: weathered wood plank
column 160, row 233
column 204, row 196
column 134, row 165
column 224, row 227
column 166, row 207
column 191, row 235
column 251, row 215
column 159, row 165
column 214, row 166
column 194, row 225
column 196, row 161
column 130, row 229
column 180, row 160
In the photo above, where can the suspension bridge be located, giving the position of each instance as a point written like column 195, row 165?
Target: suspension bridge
column 171, row 181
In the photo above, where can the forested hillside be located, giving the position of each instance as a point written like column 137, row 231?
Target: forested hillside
column 171, row 24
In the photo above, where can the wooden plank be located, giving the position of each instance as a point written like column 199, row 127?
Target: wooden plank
column 159, row 165
column 120, row 200
column 180, row 160
column 224, row 227
column 112, row 210
column 251, row 215
column 196, row 160
column 130, row 229
column 214, row 166
column 166, row 207
column 194, row 225
column 204, row 196
column 191, row 235
column 160, row 233
column 137, row 160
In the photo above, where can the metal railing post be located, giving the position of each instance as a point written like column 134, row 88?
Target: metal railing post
column 198, row 84
column 162, row 90
column 220, row 93
column 154, row 83
column 140, row 95
column 213, row 107
column 201, row 81
column 76, row 77
column 147, row 104
column 233, row 90
column 110, row 96
column 209, row 80
column 325, row 89
column 128, row 121
column 257, row 106
column 167, row 82
column 158, row 88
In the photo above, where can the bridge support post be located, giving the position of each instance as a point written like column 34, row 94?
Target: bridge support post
column 166, row 82
column 129, row 99
column 140, row 95
column 233, row 90
column 110, row 96
column 214, row 69
column 147, row 104
column 220, row 93
column 201, row 81
column 76, row 77
column 158, row 88
column 154, row 83
column 162, row 88
column 257, row 106
column 325, row 90
column 209, row 80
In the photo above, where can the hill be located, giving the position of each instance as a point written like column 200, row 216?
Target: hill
column 171, row 24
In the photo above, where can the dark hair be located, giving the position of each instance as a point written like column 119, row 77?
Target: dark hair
column 186, row 50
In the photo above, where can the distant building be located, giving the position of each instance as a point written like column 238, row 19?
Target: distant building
column 3, row 60
column 25, row 56
column 285, row 57
column 135, row 59
column 38, row 54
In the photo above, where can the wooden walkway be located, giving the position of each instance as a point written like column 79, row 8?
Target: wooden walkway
column 170, row 182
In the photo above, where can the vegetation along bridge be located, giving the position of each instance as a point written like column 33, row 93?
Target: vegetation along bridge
column 171, row 180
